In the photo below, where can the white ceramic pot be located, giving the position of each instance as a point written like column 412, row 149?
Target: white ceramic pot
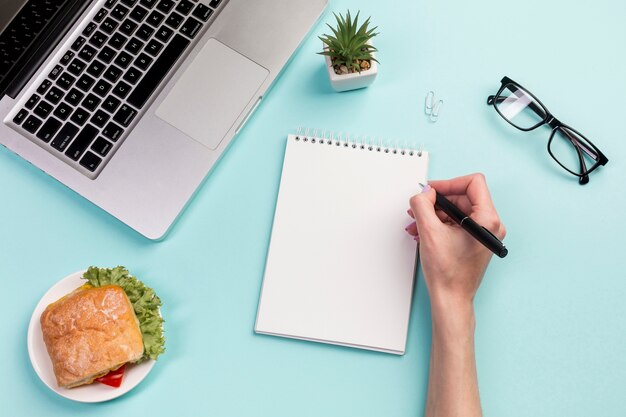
column 353, row 81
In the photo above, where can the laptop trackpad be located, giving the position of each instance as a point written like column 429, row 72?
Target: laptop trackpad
column 212, row 93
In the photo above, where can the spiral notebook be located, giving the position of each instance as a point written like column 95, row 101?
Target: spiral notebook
column 340, row 267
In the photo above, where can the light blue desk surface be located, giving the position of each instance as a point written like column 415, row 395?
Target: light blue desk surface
column 551, row 338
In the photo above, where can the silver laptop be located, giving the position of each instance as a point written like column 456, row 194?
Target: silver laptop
column 130, row 103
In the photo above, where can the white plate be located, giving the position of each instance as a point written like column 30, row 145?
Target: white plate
column 42, row 364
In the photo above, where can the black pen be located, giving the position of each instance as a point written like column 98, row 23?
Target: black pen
column 477, row 231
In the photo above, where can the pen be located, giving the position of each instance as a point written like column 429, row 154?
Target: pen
column 477, row 231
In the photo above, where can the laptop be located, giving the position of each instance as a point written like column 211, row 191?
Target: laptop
column 130, row 103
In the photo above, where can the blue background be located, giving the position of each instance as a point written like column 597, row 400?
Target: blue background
column 550, row 339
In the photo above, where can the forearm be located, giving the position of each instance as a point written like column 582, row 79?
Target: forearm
column 453, row 385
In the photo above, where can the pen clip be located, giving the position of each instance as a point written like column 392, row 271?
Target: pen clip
column 494, row 236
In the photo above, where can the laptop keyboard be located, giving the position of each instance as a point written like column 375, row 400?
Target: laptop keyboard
column 92, row 96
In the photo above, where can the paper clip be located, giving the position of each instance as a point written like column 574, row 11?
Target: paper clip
column 429, row 103
column 434, row 114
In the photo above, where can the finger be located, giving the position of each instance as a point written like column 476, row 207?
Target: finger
column 474, row 186
column 410, row 213
column 411, row 229
column 423, row 207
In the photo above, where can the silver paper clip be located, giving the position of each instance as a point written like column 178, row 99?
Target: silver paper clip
column 432, row 108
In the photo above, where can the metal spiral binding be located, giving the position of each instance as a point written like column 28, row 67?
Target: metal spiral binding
column 348, row 140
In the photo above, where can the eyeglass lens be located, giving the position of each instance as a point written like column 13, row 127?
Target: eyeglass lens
column 572, row 150
column 519, row 107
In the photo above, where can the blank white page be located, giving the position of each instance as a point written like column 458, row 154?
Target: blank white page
column 340, row 267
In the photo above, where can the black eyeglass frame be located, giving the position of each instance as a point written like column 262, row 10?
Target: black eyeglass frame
column 555, row 124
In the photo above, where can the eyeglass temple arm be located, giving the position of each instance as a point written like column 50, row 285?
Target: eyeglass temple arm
column 577, row 145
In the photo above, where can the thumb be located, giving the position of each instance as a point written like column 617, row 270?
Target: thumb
column 423, row 207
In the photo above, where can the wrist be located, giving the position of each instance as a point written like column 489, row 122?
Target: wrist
column 453, row 319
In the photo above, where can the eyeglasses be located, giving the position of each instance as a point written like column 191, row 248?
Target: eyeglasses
column 568, row 147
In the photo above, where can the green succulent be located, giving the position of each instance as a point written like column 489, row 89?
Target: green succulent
column 348, row 44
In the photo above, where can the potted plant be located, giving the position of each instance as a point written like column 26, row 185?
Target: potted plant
column 349, row 53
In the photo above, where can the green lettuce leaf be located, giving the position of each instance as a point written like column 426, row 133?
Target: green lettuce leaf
column 145, row 303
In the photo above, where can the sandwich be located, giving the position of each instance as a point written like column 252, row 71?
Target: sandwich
column 92, row 333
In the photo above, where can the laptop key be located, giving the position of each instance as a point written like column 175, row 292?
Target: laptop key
column 90, row 161
column 62, row 111
column 44, row 86
column 54, row 95
column 106, row 54
column 123, row 59
column 174, row 20
column 184, row 7
column 121, row 89
column 134, row 46
column 112, row 131
column 138, row 13
column 20, row 116
column 191, row 27
column 87, row 53
column 55, row 72
column 144, row 32
column 112, row 73
column 101, row 146
column 80, row 41
column 79, row 116
column 89, row 29
column 43, row 109
column 85, row 82
column 215, row 3
column 99, row 118
column 154, row 47
column 82, row 142
column 98, row 39
column 100, row 15
column 67, row 57
column 110, row 104
column 32, row 101
column 64, row 137
column 65, row 81
column 109, row 3
column 202, row 12
column 128, row 27
column 143, row 61
column 165, row 6
column 96, row 68
column 119, row 12
column 155, row 18
column 148, row 3
column 90, row 102
column 31, row 124
column 144, row 89
column 125, row 115
column 48, row 129
column 76, row 67
column 117, row 41
column 129, row 3
column 132, row 75
column 164, row 34
column 109, row 25
column 102, row 88
column 74, row 97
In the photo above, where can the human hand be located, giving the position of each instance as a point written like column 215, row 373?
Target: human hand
column 453, row 262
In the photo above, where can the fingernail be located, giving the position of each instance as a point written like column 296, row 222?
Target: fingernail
column 409, row 225
column 409, row 212
column 426, row 188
